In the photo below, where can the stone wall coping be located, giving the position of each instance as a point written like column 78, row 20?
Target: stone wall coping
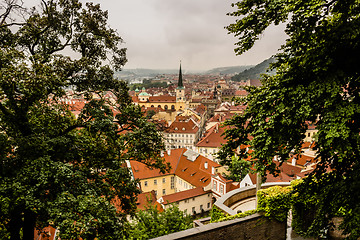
column 220, row 203
column 206, row 228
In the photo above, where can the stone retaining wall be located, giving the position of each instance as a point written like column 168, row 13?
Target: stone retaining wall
column 252, row 227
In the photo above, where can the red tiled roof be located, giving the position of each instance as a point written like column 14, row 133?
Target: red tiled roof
column 213, row 137
column 182, row 125
column 174, row 197
column 162, row 99
column 194, row 172
column 147, row 198
column 241, row 93
column 302, row 159
column 141, row 171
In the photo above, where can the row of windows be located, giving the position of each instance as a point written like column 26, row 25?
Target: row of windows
column 186, row 185
column 181, row 135
column 163, row 192
column 201, row 209
column 155, row 182
column 181, row 141
column 205, row 150
column 221, row 186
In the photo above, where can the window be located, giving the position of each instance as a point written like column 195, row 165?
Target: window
column 215, row 186
column 155, row 192
column 186, row 200
column 164, row 192
column 221, row 189
column 193, row 199
column 208, row 205
column 201, row 207
column 163, row 180
column 172, row 184
column 155, row 182
column 145, row 183
column 193, row 210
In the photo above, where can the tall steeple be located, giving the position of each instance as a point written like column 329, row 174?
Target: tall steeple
column 180, row 82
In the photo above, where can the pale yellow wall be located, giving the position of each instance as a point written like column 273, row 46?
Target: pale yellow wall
column 187, row 205
column 182, row 185
column 159, row 186
column 177, row 105
column 309, row 135
column 208, row 152
column 167, row 116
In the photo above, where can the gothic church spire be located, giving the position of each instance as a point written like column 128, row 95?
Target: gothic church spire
column 180, row 82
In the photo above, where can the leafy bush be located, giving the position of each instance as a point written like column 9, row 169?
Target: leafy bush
column 216, row 214
column 238, row 215
column 275, row 202
column 152, row 223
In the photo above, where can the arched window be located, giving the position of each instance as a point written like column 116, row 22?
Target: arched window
column 152, row 106
column 159, row 106
column 172, row 107
column 166, row 107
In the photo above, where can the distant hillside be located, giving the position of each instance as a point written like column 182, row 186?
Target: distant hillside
column 143, row 72
column 254, row 72
column 228, row 70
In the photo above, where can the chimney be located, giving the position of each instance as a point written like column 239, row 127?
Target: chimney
column 168, row 152
column 213, row 170
column 293, row 161
column 206, row 165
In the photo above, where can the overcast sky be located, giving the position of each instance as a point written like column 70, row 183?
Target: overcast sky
column 160, row 33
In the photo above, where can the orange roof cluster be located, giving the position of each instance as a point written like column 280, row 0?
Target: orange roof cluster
column 195, row 168
column 146, row 198
column 213, row 137
column 221, row 117
column 183, row 124
column 302, row 160
column 186, row 164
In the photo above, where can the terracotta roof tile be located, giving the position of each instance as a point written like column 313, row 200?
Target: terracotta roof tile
column 174, row 197
column 147, row 198
column 213, row 137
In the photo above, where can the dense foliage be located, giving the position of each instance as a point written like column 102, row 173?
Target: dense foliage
column 275, row 202
column 216, row 214
column 152, row 223
column 57, row 170
column 317, row 81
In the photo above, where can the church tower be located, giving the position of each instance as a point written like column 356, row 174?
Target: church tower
column 180, row 90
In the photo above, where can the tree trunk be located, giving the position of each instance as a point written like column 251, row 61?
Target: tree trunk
column 15, row 224
column 29, row 225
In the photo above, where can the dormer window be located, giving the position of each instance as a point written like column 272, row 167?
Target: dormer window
column 183, row 129
column 176, row 128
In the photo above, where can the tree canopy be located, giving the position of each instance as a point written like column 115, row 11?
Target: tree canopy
column 57, row 170
column 317, row 81
column 152, row 223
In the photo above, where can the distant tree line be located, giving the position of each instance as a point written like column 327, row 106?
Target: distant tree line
column 148, row 84
column 254, row 72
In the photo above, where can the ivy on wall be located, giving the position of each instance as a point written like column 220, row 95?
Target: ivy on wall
column 275, row 202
